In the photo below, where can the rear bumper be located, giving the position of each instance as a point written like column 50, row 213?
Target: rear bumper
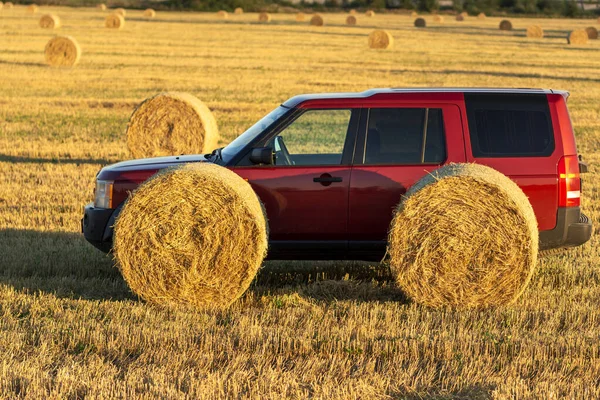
column 572, row 229
column 97, row 226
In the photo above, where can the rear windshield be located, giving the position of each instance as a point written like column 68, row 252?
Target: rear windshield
column 508, row 125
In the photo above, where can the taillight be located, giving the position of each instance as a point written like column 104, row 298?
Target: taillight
column 569, row 182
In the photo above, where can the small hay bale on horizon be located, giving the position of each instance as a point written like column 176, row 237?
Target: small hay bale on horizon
column 171, row 123
column 300, row 17
column 438, row 18
column 317, row 20
column 535, row 32
column 32, row 9
column 481, row 16
column 420, row 22
column 380, row 39
column 114, row 21
column 352, row 12
column 264, row 17
column 505, row 25
column 351, row 20
column 193, row 235
column 223, row 14
column 464, row 14
column 238, row 10
column 578, row 36
column 9, row 5
column 101, row 7
column 464, row 236
column 414, row 14
column 62, row 51
column 121, row 11
column 50, row 21
column 149, row 13
column 592, row 32
column 460, row 17
column 370, row 13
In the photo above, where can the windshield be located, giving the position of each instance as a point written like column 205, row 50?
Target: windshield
column 245, row 138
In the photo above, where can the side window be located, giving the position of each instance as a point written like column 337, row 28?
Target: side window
column 405, row 136
column 316, row 137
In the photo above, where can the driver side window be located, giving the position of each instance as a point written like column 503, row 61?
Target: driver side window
column 316, row 137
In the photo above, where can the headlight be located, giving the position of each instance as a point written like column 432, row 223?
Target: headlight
column 104, row 193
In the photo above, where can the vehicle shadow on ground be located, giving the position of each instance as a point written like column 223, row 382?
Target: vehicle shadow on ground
column 65, row 265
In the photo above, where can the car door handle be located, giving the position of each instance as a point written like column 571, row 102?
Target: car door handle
column 326, row 179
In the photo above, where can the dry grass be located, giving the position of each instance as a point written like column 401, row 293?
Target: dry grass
column 171, row 124
column 464, row 236
column 69, row 324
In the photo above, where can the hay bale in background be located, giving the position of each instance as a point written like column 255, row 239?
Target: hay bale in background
column 149, row 13
column 62, row 51
column 194, row 235
column 535, row 31
column 592, row 32
column 505, row 25
column 300, row 17
column 464, row 236
column 460, row 17
column 171, row 124
column 317, row 20
column 264, row 17
column 578, row 36
column 32, row 9
column 350, row 20
column 464, row 14
column 8, row 5
column 481, row 16
column 438, row 18
column 50, row 21
column 101, row 7
column 120, row 11
column 380, row 39
column 370, row 13
column 414, row 14
column 420, row 23
column 238, row 10
column 114, row 21
column 352, row 12
column 223, row 14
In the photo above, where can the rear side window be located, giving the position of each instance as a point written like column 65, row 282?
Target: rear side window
column 508, row 125
column 405, row 136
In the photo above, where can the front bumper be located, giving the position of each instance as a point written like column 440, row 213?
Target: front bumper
column 572, row 229
column 97, row 226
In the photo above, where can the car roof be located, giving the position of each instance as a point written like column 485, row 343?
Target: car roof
column 296, row 100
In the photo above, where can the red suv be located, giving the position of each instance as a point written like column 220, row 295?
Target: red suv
column 331, row 168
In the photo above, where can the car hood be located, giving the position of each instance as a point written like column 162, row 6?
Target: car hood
column 113, row 171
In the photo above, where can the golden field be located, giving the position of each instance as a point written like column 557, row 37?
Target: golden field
column 70, row 327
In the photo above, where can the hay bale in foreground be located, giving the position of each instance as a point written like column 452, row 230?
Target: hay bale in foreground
column 101, row 7
column 460, row 17
column 114, row 21
column 300, row 17
column 32, row 9
column 62, row 51
column 120, row 11
column 370, row 13
column 505, row 25
column 317, row 20
column 578, row 36
column 238, row 10
column 420, row 23
column 438, row 18
column 464, row 236
column 264, row 17
column 535, row 31
column 50, row 21
column 380, row 39
column 149, row 13
column 592, row 32
column 171, row 123
column 223, row 14
column 350, row 20
column 481, row 16
column 194, row 235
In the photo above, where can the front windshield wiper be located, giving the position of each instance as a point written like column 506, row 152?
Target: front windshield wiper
column 216, row 153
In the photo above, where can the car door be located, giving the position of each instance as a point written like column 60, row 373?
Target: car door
column 397, row 145
column 305, row 191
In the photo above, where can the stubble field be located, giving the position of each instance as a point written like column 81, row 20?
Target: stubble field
column 69, row 326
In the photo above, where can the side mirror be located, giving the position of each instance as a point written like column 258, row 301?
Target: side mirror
column 262, row 155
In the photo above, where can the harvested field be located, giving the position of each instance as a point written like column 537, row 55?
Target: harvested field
column 338, row 330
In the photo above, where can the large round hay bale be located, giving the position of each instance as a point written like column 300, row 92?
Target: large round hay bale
column 223, row 14
column 121, row 12
column 578, row 36
column 535, row 31
column 264, row 17
column 62, row 51
column 32, row 9
column 350, row 20
column 194, row 235
column 149, row 13
column 50, row 21
column 438, row 18
column 592, row 32
column 101, row 7
column 370, row 13
column 114, row 21
column 238, row 10
column 460, row 17
column 380, row 39
column 171, row 124
column 481, row 16
column 505, row 25
column 9, row 5
column 317, row 20
column 420, row 22
column 300, row 17
column 464, row 236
